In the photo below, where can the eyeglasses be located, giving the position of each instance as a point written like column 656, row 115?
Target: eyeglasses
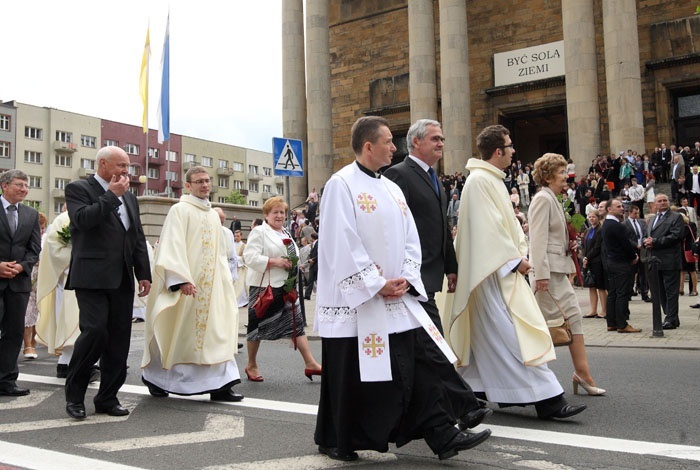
column 201, row 182
column 21, row 185
column 506, row 146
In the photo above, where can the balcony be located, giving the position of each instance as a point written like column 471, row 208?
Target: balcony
column 214, row 190
column 187, row 165
column 66, row 147
column 85, row 172
column 267, row 195
column 279, row 179
column 176, row 184
column 58, row 193
column 134, row 179
column 224, row 171
column 254, row 177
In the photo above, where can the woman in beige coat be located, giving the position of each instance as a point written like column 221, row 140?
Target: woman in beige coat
column 550, row 256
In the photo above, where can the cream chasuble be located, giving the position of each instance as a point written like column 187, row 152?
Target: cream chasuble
column 57, row 326
column 367, row 235
column 200, row 330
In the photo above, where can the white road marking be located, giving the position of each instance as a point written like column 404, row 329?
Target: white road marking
column 26, row 401
column 67, row 421
column 216, row 428
column 35, row 458
column 521, row 434
column 308, row 462
column 542, row 465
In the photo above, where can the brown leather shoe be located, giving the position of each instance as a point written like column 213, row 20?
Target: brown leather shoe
column 629, row 329
column 612, row 328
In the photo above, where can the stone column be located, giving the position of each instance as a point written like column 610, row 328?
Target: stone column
column 623, row 78
column 422, row 80
column 318, row 90
column 454, row 82
column 294, row 90
column 582, row 103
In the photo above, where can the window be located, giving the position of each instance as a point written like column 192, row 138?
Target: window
column 152, row 192
column 87, row 163
column 267, row 171
column 111, row 143
column 131, row 149
column 88, row 141
column 34, row 181
column 237, row 184
column 153, row 153
column 237, row 166
column 208, row 162
column 280, row 190
column 153, row 173
column 222, row 200
column 133, row 170
column 32, row 157
column 61, row 183
column 134, row 190
column 64, row 160
column 252, row 186
column 33, row 133
column 223, row 182
column 58, row 206
column 223, row 163
column 35, row 204
column 253, row 203
column 5, row 149
column 171, row 175
column 63, row 136
column 4, row 122
column 267, row 188
column 190, row 158
column 171, row 156
column 253, row 169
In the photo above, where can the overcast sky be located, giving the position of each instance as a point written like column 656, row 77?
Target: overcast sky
column 85, row 57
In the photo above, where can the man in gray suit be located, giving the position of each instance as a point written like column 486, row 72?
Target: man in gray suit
column 428, row 203
column 665, row 233
column 20, row 243
column 637, row 228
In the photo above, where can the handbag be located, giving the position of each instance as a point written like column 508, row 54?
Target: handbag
column 561, row 334
column 588, row 278
column 265, row 298
column 689, row 254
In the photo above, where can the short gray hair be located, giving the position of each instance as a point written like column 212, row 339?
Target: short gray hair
column 193, row 171
column 419, row 129
column 10, row 175
column 105, row 152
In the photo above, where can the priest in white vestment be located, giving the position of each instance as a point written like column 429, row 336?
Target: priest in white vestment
column 368, row 313
column 494, row 324
column 191, row 329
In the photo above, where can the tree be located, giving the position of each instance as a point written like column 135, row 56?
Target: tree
column 236, row 198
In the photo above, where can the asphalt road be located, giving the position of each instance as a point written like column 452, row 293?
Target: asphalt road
column 648, row 420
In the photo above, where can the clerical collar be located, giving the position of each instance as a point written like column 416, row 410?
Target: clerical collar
column 367, row 171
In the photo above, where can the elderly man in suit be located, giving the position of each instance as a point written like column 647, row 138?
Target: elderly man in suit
column 109, row 248
column 637, row 229
column 677, row 172
column 20, row 243
column 665, row 233
column 428, row 203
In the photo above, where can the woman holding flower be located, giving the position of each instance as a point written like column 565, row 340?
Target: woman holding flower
column 272, row 257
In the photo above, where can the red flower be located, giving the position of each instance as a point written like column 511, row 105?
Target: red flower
column 287, row 241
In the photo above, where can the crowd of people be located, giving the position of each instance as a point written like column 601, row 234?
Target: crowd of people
column 402, row 361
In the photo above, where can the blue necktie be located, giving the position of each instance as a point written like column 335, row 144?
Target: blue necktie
column 433, row 177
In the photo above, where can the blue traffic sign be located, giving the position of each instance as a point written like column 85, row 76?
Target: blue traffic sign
column 287, row 155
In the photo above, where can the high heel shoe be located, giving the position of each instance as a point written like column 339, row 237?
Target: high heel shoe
column 309, row 373
column 30, row 353
column 594, row 391
column 257, row 378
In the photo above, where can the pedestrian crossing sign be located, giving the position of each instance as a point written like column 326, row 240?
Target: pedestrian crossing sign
column 287, row 157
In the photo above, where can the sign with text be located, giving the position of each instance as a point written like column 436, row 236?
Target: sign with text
column 529, row 64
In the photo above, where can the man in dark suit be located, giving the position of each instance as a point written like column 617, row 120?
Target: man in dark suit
column 665, row 234
column 109, row 248
column 637, row 228
column 235, row 224
column 666, row 162
column 20, row 243
column 313, row 266
column 428, row 203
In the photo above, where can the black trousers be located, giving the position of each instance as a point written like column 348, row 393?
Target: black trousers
column 13, row 307
column 641, row 283
column 105, row 334
column 669, row 285
column 459, row 398
column 620, row 281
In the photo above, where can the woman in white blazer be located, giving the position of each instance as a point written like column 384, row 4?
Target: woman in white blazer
column 267, row 256
column 550, row 256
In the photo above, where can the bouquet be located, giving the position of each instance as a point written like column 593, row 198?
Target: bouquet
column 64, row 235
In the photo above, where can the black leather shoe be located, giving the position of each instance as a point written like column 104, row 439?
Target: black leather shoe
column 695, row 306
column 646, row 298
column 154, row 390
column 669, row 326
column 333, row 453
column 566, row 411
column 75, row 410
column 116, row 410
column 473, row 418
column 13, row 391
column 463, row 441
column 226, row 395
column 61, row 371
